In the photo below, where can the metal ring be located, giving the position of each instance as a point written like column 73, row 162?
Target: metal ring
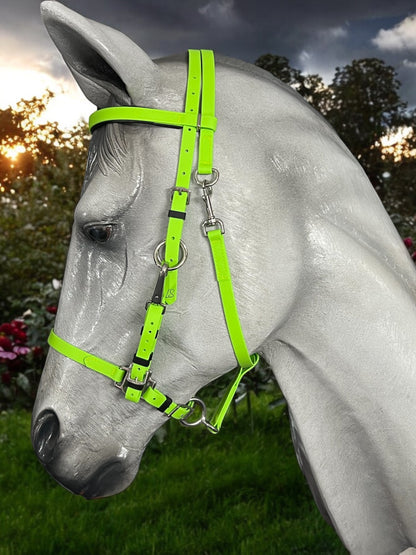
column 204, row 182
column 160, row 262
column 201, row 419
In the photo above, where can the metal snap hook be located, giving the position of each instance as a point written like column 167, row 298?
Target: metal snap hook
column 159, row 261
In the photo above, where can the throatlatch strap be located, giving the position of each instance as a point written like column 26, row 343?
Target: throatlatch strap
column 222, row 409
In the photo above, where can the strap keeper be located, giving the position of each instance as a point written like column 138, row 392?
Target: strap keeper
column 207, row 122
column 142, row 361
column 166, row 403
column 177, row 214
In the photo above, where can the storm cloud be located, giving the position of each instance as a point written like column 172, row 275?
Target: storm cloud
column 315, row 36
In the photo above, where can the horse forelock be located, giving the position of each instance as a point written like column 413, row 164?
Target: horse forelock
column 107, row 152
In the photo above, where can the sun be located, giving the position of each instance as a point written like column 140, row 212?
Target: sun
column 68, row 106
column 13, row 152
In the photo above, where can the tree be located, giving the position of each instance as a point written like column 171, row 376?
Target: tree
column 22, row 137
column 311, row 87
column 37, row 200
column 364, row 106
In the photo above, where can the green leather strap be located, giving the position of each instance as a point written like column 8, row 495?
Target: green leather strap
column 180, row 196
column 133, row 114
column 151, row 395
column 222, row 409
column 208, row 119
column 222, row 270
column 86, row 359
column 143, row 358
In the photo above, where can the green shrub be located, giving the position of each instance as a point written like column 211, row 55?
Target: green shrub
column 23, row 347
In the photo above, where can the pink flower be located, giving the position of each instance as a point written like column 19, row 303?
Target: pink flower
column 51, row 309
column 7, row 355
column 408, row 241
column 21, row 350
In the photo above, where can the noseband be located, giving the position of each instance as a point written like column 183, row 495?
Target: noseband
column 199, row 117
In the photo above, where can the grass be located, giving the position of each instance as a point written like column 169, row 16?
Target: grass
column 238, row 493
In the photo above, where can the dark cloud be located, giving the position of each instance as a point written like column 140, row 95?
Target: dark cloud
column 315, row 36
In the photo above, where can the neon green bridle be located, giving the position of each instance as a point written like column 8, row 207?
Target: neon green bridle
column 199, row 117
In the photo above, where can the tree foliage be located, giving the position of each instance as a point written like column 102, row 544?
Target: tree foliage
column 37, row 200
column 311, row 87
column 23, row 137
column 363, row 105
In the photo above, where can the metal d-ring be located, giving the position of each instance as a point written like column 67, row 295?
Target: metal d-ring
column 160, row 262
column 205, row 182
column 201, row 420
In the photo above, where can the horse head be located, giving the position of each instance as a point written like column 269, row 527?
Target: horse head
column 323, row 284
column 87, row 435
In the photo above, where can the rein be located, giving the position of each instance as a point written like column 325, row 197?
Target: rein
column 199, row 117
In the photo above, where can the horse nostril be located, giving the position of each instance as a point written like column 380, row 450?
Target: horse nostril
column 45, row 435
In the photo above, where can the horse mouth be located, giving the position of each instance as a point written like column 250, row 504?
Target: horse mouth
column 109, row 479
column 105, row 481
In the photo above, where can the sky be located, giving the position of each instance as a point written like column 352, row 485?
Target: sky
column 316, row 37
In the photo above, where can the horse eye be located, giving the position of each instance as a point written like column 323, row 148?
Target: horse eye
column 100, row 233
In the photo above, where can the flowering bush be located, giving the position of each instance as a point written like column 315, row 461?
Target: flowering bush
column 411, row 247
column 23, row 347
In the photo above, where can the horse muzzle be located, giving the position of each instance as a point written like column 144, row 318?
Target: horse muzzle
column 107, row 478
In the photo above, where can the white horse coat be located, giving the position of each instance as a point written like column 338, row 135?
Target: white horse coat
column 324, row 286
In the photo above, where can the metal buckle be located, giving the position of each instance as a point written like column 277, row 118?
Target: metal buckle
column 145, row 383
column 181, row 190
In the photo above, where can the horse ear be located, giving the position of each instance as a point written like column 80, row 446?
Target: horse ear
column 107, row 65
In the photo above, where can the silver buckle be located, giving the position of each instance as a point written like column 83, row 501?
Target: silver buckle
column 181, row 190
column 145, row 383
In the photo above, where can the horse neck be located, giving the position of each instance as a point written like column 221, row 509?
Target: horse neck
column 345, row 361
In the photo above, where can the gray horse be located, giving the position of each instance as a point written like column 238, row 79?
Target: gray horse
column 324, row 286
